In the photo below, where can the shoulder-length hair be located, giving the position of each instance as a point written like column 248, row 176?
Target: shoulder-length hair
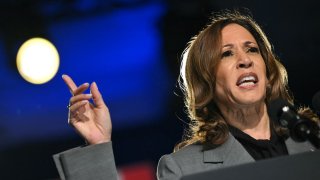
column 198, row 79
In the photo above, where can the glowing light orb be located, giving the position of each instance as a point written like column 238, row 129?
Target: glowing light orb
column 37, row 60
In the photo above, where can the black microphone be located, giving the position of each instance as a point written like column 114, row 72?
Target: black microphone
column 301, row 129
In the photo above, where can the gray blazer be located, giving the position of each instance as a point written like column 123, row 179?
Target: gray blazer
column 193, row 159
column 97, row 161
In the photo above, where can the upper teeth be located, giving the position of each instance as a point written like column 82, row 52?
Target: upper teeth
column 247, row 78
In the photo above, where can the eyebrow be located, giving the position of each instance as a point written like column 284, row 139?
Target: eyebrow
column 249, row 42
column 227, row 45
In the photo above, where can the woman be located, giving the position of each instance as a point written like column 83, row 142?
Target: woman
column 229, row 74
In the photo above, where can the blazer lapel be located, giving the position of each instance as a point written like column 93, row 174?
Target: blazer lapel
column 229, row 153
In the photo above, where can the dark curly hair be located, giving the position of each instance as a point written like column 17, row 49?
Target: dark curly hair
column 198, row 67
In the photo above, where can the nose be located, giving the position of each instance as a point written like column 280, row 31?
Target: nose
column 244, row 61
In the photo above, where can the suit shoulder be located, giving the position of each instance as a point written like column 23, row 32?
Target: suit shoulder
column 177, row 164
column 193, row 152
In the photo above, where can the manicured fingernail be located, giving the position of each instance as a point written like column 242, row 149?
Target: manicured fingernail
column 95, row 84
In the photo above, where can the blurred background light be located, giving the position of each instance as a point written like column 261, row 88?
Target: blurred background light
column 37, row 60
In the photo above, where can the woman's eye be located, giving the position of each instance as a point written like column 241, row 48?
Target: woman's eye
column 253, row 50
column 226, row 54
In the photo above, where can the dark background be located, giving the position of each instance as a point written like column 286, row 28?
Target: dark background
column 132, row 48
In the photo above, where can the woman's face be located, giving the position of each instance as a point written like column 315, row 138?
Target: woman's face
column 241, row 74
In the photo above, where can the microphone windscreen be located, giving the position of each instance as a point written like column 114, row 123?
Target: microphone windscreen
column 275, row 108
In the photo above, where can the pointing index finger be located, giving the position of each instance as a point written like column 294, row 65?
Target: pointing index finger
column 70, row 83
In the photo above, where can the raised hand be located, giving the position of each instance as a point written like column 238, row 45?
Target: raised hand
column 91, row 121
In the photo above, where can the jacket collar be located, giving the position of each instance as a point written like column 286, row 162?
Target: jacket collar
column 229, row 152
column 232, row 152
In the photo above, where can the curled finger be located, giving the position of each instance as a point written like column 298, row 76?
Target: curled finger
column 82, row 88
column 80, row 97
column 76, row 106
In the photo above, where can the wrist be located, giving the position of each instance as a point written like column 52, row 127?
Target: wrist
column 98, row 141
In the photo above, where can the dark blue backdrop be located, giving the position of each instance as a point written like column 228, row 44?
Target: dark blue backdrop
column 121, row 50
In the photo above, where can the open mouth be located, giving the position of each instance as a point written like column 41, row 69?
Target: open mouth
column 247, row 80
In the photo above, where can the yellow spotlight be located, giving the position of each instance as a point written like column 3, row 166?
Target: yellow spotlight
column 37, row 60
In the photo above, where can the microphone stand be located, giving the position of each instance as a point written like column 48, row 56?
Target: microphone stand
column 300, row 129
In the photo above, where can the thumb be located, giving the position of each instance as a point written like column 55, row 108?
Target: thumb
column 96, row 95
